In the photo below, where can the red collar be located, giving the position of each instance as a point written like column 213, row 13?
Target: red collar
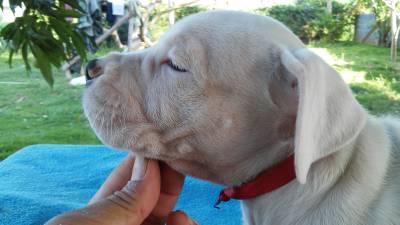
column 267, row 181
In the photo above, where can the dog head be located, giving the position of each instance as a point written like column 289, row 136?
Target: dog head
column 223, row 96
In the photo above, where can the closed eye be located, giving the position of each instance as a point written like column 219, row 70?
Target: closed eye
column 174, row 66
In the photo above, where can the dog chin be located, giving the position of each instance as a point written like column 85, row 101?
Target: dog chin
column 193, row 168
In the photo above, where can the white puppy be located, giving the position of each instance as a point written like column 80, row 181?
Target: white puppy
column 226, row 95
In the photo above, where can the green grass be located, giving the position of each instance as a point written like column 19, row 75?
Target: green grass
column 369, row 72
column 31, row 113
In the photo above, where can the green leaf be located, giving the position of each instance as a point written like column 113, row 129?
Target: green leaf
column 24, row 52
column 43, row 64
column 55, row 56
column 61, row 13
column 79, row 44
column 62, row 30
column 14, row 4
column 8, row 31
column 18, row 38
column 10, row 56
column 63, row 33
column 67, row 13
column 44, row 31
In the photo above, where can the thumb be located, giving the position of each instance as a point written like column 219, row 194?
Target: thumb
column 180, row 218
column 130, row 206
column 139, row 197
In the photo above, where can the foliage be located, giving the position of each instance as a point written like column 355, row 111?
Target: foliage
column 382, row 16
column 159, row 18
column 44, row 31
column 3, row 44
column 158, row 22
column 188, row 10
column 310, row 20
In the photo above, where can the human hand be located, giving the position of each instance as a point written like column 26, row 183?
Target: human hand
column 128, row 198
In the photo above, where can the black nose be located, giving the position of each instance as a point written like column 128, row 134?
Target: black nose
column 89, row 67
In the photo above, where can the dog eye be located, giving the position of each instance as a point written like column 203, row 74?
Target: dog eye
column 175, row 67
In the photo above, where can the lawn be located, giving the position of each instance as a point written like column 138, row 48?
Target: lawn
column 369, row 72
column 31, row 112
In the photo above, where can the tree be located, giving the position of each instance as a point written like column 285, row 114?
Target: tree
column 44, row 31
column 386, row 14
column 329, row 6
column 394, row 28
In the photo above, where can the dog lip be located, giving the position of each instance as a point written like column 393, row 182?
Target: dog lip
column 90, row 80
column 92, row 71
column 152, row 155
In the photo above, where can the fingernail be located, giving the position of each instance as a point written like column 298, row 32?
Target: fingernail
column 139, row 169
column 193, row 222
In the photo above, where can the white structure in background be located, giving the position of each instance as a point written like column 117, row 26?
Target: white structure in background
column 7, row 16
column 364, row 23
column 78, row 81
column 118, row 7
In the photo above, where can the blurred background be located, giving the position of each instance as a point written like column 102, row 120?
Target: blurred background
column 44, row 45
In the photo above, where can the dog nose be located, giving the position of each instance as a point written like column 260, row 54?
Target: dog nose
column 93, row 70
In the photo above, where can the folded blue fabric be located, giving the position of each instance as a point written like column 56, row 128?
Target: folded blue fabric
column 41, row 181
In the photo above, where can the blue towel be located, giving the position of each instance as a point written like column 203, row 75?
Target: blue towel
column 41, row 181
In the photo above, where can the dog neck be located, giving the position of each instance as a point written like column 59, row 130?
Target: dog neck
column 325, row 194
column 269, row 180
column 295, row 197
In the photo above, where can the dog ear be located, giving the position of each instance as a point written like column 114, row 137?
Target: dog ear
column 328, row 116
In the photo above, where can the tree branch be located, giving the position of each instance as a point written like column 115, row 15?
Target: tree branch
column 388, row 4
column 153, row 21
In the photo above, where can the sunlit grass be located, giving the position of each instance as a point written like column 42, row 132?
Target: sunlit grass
column 368, row 71
column 341, row 65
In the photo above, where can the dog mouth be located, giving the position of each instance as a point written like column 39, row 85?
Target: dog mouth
column 115, row 127
column 118, row 121
column 89, row 80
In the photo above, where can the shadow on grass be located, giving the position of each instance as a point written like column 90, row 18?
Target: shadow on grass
column 374, row 100
column 379, row 89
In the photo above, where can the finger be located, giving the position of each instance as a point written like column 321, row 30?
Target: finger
column 180, row 218
column 171, row 186
column 140, row 195
column 130, row 206
column 118, row 178
column 171, row 180
column 139, row 169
